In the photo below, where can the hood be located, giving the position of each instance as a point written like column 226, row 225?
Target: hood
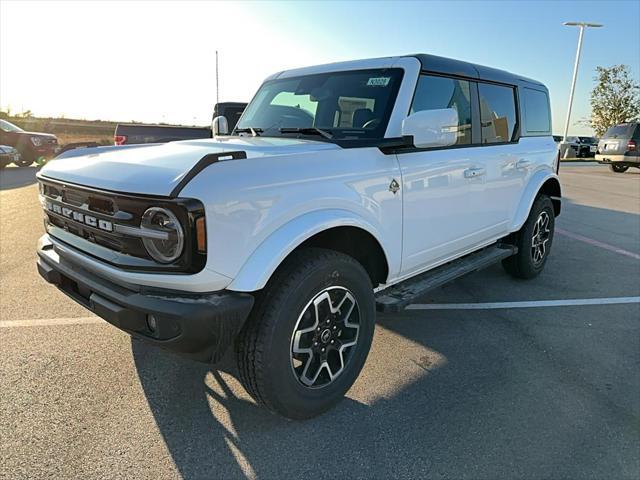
column 157, row 169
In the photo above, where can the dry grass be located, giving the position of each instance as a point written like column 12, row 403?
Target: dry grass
column 65, row 138
column 68, row 130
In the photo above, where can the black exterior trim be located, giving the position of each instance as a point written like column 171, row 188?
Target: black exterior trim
column 198, row 326
column 203, row 163
column 382, row 143
column 114, row 248
column 397, row 150
column 450, row 66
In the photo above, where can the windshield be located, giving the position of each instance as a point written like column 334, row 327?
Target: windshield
column 9, row 127
column 349, row 104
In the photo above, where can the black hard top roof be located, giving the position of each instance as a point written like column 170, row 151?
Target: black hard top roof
column 449, row 66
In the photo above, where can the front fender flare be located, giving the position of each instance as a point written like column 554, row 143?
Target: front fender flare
column 536, row 183
column 265, row 259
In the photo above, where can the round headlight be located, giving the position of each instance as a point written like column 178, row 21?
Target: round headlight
column 164, row 239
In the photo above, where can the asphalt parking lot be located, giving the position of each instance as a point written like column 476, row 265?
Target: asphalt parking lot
column 475, row 391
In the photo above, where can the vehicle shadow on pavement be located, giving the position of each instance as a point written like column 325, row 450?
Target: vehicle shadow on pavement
column 11, row 177
column 525, row 393
column 211, row 431
column 440, row 397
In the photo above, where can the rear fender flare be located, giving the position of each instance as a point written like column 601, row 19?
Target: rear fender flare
column 537, row 182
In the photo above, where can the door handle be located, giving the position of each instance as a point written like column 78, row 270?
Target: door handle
column 524, row 163
column 474, row 172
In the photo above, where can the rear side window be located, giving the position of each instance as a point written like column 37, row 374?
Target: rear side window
column 497, row 113
column 537, row 117
column 434, row 93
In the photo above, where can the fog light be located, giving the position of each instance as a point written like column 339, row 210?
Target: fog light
column 152, row 323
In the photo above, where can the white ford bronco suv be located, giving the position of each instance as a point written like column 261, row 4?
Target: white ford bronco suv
column 343, row 189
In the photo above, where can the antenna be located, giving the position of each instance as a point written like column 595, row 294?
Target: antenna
column 217, row 87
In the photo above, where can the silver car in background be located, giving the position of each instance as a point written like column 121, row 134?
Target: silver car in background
column 618, row 148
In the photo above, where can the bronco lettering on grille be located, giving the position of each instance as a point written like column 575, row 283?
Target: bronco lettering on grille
column 80, row 217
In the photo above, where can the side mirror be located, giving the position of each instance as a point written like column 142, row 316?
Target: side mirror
column 220, row 126
column 432, row 128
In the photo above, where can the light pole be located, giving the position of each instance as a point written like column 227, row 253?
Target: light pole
column 582, row 26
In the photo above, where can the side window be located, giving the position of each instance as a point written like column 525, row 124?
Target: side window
column 434, row 93
column 497, row 113
column 537, row 118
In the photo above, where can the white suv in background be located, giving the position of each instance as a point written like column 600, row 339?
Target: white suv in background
column 343, row 189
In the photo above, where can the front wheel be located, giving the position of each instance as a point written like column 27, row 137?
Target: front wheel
column 533, row 240
column 618, row 168
column 308, row 335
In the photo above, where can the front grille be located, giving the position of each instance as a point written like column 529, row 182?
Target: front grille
column 96, row 222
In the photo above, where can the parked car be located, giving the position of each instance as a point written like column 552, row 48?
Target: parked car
column 344, row 189
column 232, row 111
column 8, row 155
column 134, row 133
column 586, row 147
column 31, row 145
column 583, row 146
column 618, row 148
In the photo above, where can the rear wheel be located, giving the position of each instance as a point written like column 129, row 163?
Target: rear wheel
column 618, row 168
column 533, row 240
column 308, row 335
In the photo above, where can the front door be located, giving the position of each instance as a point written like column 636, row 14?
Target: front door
column 442, row 206
column 443, row 189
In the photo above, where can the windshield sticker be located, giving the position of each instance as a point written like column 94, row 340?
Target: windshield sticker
column 378, row 81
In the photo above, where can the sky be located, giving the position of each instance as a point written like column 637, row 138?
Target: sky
column 155, row 61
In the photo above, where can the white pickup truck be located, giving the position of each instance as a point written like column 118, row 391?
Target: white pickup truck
column 343, row 189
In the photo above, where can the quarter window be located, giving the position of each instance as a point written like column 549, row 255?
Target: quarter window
column 536, row 108
column 434, row 93
column 497, row 113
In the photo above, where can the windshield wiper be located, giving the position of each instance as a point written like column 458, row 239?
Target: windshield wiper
column 253, row 131
column 307, row 131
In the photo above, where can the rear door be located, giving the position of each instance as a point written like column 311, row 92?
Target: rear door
column 504, row 159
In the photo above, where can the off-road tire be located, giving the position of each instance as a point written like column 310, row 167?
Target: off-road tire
column 522, row 264
column 618, row 168
column 264, row 346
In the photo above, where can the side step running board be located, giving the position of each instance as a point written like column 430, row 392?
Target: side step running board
column 397, row 297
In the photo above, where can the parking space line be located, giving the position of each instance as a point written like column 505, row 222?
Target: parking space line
column 597, row 243
column 45, row 322
column 524, row 304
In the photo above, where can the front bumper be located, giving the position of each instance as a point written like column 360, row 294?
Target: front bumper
column 46, row 151
column 200, row 326
column 8, row 158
